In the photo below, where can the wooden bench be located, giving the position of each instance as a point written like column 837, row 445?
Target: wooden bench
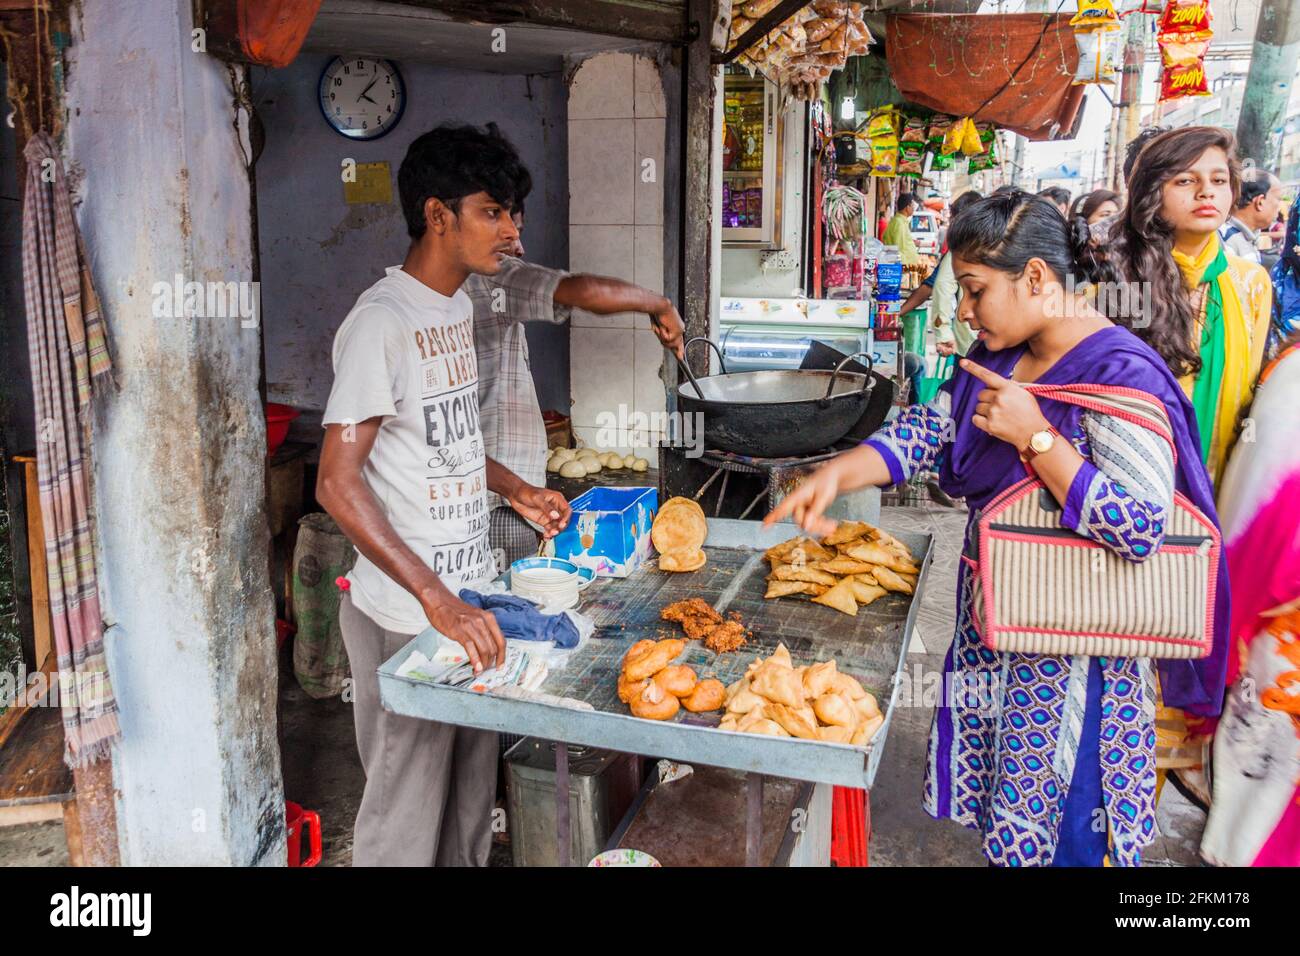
column 35, row 783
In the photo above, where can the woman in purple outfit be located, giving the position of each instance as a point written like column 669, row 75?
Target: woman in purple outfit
column 1054, row 763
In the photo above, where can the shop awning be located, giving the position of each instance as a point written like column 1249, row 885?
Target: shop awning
column 1013, row 70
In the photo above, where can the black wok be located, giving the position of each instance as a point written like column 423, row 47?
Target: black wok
column 775, row 414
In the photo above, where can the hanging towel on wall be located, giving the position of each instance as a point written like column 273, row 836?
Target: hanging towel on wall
column 68, row 345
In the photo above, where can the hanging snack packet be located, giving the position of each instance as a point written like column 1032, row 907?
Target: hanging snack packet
column 911, row 159
column 1179, row 52
column 1095, row 15
column 941, row 163
column 939, row 126
column 1097, row 56
column 884, row 156
column 1186, row 19
column 914, row 130
column 1185, row 79
column 971, row 141
column 881, row 124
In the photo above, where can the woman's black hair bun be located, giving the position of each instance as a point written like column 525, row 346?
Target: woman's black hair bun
column 1083, row 251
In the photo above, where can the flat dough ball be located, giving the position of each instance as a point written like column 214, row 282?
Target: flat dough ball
column 554, row 463
column 593, row 464
column 573, row 469
column 640, row 465
column 682, row 560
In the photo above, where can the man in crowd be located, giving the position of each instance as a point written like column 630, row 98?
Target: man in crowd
column 513, row 431
column 899, row 231
column 1257, row 206
column 404, row 473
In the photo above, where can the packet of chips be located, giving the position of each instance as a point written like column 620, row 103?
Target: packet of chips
column 941, row 163
column 914, row 130
column 985, row 160
column 1184, row 79
column 881, row 124
column 1097, row 57
column 911, row 159
column 971, row 141
column 939, row 126
column 1179, row 52
column 884, row 156
column 1186, row 19
column 1095, row 15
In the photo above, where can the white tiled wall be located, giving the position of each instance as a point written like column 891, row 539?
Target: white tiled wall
column 617, row 116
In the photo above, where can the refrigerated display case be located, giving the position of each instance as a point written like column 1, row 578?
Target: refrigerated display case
column 752, row 140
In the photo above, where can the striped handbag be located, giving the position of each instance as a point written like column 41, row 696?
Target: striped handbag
column 1040, row 588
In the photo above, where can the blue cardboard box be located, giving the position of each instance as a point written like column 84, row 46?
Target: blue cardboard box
column 609, row 530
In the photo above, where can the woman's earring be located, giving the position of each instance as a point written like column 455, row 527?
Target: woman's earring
column 1037, row 290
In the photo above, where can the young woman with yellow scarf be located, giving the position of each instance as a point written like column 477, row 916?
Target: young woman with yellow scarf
column 1205, row 311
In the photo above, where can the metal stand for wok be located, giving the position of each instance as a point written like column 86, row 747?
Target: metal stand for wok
column 782, row 473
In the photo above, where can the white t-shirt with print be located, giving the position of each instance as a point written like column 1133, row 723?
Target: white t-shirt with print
column 405, row 353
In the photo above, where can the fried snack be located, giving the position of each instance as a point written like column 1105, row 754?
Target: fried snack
column 864, row 594
column 763, row 726
column 777, row 553
column 677, row 679
column 797, row 721
column 735, row 687
column 844, row 565
column 725, row 637
column 836, row 709
column 835, row 735
column 778, row 588
column 865, row 707
column 707, row 695
column 728, row 722
column 910, row 577
column 866, row 731
column 778, row 684
column 846, row 531
column 848, row 685
column 637, row 649
column 699, row 628
column 819, row 679
column 677, row 533
column 629, row 689
column 812, row 551
column 744, row 702
column 653, row 660
column 871, row 552
column 840, row 597
column 655, row 703
column 890, row 581
column 679, row 611
column 782, row 656
column 790, row 572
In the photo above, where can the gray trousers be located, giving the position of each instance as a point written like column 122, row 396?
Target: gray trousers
column 430, row 787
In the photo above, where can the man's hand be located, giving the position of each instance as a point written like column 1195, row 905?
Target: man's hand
column 471, row 628
column 542, row 506
column 1005, row 409
column 945, row 348
column 669, row 327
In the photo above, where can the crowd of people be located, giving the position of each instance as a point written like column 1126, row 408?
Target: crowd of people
column 1160, row 295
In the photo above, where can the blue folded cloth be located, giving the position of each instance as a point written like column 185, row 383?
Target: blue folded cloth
column 521, row 621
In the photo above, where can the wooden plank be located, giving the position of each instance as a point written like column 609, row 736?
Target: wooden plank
column 31, row 813
column 72, row 833
column 36, row 561
column 31, row 762
column 11, row 718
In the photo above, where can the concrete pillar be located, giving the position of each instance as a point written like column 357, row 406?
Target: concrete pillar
column 161, row 154
column 1272, row 76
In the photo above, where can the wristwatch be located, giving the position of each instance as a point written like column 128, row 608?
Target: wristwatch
column 1040, row 442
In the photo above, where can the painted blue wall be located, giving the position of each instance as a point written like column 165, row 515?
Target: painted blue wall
column 318, row 253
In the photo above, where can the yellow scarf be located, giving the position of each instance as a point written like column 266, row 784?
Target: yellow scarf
column 1236, row 384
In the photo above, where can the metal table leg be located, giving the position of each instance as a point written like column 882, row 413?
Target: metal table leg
column 563, row 846
column 753, row 819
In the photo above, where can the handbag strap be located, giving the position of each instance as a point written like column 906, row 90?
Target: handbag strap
column 1129, row 404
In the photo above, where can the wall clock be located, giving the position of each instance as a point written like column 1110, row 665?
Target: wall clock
column 362, row 97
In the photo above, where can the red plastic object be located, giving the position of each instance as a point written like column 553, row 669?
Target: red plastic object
column 296, row 818
column 850, row 830
column 278, row 418
column 283, row 631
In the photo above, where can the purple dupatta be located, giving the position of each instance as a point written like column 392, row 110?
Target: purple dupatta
column 978, row 466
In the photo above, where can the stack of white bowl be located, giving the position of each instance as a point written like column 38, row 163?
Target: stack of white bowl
column 549, row 581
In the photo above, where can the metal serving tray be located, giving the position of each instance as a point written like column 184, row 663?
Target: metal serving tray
column 871, row 646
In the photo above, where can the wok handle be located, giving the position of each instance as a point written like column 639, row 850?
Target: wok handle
column 870, row 382
column 687, row 369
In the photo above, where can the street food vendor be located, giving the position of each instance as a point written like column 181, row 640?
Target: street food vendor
column 404, row 472
column 509, row 415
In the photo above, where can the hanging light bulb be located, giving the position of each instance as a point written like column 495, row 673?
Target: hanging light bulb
column 847, row 108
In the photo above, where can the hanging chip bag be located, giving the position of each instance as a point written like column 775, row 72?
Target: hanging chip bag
column 971, row 142
column 939, row 126
column 881, row 124
column 1097, row 53
column 1185, row 79
column 1186, row 20
column 911, row 159
column 884, row 156
column 941, row 163
column 1095, row 15
column 914, row 131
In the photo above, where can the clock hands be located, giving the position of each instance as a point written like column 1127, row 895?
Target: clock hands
column 363, row 96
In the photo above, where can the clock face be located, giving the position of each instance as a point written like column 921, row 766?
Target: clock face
column 362, row 97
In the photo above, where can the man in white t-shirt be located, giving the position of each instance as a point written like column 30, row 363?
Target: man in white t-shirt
column 404, row 473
